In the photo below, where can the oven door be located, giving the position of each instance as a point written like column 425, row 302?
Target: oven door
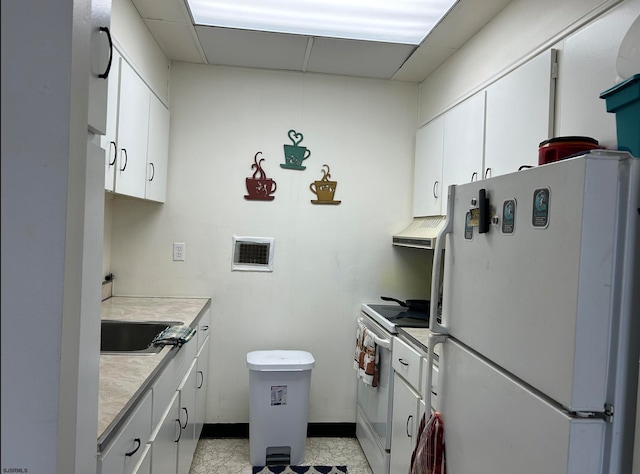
column 373, row 421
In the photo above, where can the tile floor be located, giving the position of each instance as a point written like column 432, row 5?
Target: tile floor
column 231, row 456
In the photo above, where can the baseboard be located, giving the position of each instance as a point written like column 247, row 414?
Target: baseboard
column 314, row 430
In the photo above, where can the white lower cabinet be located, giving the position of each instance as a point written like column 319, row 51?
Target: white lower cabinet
column 144, row 463
column 124, row 452
column 165, row 438
column 202, row 381
column 406, row 404
column 188, row 440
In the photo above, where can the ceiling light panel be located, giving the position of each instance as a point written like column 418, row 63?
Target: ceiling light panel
column 388, row 21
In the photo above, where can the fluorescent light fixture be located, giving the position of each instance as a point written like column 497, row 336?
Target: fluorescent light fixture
column 387, row 21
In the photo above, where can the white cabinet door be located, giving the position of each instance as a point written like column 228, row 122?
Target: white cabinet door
column 165, row 438
column 157, row 150
column 202, row 380
column 144, row 464
column 427, row 186
column 406, row 404
column 187, row 418
column 463, row 148
column 109, row 141
column 101, row 50
column 124, row 452
column 520, row 113
column 133, row 129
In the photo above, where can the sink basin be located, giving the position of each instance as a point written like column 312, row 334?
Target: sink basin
column 131, row 337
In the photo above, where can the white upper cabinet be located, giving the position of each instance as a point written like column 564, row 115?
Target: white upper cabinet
column 109, row 140
column 101, row 64
column 427, row 186
column 133, row 130
column 157, row 151
column 136, row 141
column 520, row 113
column 463, row 142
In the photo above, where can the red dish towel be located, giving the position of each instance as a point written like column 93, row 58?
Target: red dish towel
column 428, row 456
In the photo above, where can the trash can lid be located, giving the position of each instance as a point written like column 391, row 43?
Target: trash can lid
column 280, row 360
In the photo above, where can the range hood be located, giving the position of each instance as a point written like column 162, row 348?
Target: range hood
column 421, row 233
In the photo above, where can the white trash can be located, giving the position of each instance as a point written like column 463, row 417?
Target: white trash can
column 279, row 383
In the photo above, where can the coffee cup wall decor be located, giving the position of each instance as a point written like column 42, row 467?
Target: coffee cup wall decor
column 324, row 189
column 295, row 154
column 259, row 187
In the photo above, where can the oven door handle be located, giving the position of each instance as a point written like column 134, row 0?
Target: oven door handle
column 386, row 343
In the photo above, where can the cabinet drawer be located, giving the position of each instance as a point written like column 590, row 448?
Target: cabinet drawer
column 407, row 362
column 124, row 452
column 167, row 383
column 203, row 327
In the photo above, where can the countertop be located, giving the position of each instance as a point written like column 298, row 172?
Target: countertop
column 419, row 337
column 123, row 377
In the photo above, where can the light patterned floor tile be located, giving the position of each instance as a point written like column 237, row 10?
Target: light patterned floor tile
column 231, row 456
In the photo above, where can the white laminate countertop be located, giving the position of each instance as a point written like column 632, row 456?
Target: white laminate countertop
column 419, row 337
column 122, row 376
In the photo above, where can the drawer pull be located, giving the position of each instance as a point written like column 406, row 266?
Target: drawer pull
column 131, row 453
column 201, row 380
column 407, row 427
column 403, row 362
column 187, row 420
column 179, row 430
column 204, row 328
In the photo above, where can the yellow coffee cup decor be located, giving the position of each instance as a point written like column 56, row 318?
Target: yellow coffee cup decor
column 259, row 187
column 324, row 189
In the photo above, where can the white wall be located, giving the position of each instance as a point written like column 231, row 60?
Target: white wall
column 50, row 283
column 328, row 259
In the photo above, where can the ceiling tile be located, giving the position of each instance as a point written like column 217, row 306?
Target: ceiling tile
column 252, row 48
column 357, row 58
column 167, row 10
column 176, row 40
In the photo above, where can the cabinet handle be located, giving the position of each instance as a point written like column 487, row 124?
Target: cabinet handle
column 131, row 453
column 179, row 430
column 435, row 187
column 487, row 173
column 153, row 171
column 115, row 153
column 407, row 427
column 126, row 159
column 187, row 420
column 403, row 362
column 204, row 328
column 105, row 74
column 474, row 176
column 202, row 380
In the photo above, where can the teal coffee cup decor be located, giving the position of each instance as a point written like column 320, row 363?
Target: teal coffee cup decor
column 295, row 154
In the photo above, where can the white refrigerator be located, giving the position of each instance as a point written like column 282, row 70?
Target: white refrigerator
column 540, row 329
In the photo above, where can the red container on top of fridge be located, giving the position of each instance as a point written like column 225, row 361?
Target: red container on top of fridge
column 559, row 148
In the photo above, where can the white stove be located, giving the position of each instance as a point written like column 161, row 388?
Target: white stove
column 391, row 316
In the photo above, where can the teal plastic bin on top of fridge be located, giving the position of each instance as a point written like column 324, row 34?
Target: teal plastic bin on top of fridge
column 624, row 100
column 279, row 385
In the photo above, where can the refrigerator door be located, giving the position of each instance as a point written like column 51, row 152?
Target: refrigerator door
column 536, row 294
column 493, row 424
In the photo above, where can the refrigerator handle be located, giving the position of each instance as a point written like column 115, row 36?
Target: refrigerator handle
column 432, row 341
column 436, row 269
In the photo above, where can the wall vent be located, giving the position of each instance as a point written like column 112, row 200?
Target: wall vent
column 252, row 254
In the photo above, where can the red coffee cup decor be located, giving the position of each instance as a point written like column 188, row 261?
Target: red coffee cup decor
column 324, row 189
column 259, row 187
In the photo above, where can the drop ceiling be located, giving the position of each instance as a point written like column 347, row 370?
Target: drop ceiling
column 169, row 21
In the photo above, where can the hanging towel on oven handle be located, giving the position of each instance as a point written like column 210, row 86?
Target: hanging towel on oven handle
column 366, row 360
column 428, row 456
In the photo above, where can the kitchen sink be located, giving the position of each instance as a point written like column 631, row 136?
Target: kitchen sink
column 131, row 337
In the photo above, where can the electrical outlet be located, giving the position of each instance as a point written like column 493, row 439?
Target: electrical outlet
column 178, row 251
